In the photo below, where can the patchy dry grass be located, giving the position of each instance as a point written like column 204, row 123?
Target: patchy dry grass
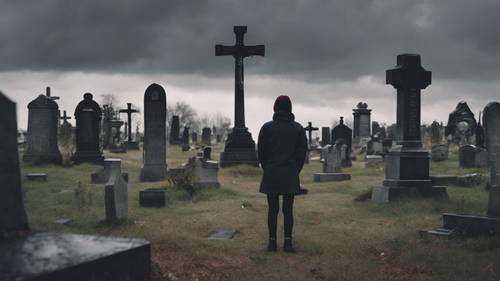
column 337, row 238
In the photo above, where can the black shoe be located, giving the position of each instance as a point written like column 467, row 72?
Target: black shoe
column 272, row 246
column 288, row 246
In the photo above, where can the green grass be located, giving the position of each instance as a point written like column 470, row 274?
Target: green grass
column 337, row 238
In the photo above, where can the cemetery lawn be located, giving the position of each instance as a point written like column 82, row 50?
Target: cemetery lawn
column 337, row 237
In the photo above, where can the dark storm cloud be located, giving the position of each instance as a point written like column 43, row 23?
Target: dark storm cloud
column 323, row 40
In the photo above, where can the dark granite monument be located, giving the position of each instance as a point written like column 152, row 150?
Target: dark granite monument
column 174, row 130
column 88, row 116
column 343, row 134
column 130, row 144
column 152, row 198
column 13, row 217
column 325, row 136
column 407, row 163
column 194, row 137
column 206, row 136
column 43, row 122
column 155, row 138
column 185, row 139
column 362, row 122
column 239, row 147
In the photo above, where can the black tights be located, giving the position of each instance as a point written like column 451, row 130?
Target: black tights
column 273, row 203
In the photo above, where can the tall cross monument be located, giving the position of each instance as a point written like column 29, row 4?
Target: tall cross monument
column 239, row 147
column 129, row 111
column 407, row 163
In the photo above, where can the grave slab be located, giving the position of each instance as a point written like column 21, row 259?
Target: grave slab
column 36, row 176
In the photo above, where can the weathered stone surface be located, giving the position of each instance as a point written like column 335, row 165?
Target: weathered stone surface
column 88, row 116
column 110, row 164
column 374, row 147
column 152, row 197
column 362, row 122
column 116, row 195
column 443, row 180
column 343, row 134
column 439, row 152
column 325, row 136
column 471, row 156
column 12, row 214
column 373, row 161
column 332, row 165
column 461, row 124
column 469, row 180
column 221, row 234
column 36, row 176
column 206, row 136
column 155, row 149
column 51, row 256
column 42, row 146
column 322, row 177
column 174, row 137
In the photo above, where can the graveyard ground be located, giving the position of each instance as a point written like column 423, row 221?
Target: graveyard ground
column 337, row 238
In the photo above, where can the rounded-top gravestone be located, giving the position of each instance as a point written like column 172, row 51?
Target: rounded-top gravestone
column 43, row 114
column 155, row 137
column 88, row 116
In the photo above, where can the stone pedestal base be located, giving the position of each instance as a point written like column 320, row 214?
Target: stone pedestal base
column 471, row 224
column 322, row 177
column 132, row 145
column 153, row 172
column 384, row 194
column 239, row 149
column 89, row 157
column 51, row 256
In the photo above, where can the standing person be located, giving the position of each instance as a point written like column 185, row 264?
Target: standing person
column 282, row 150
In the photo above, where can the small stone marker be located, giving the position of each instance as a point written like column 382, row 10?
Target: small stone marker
column 36, row 176
column 221, row 234
column 373, row 161
column 110, row 164
column 439, row 152
column 63, row 221
column 332, row 165
column 116, row 195
column 471, row 156
column 155, row 138
column 152, row 197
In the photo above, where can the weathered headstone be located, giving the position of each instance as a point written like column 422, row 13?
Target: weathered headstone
column 362, row 122
column 407, row 163
column 374, row 147
column 205, row 172
column 439, row 152
column 471, row 156
column 207, row 153
column 373, row 161
column 130, row 144
column 461, row 124
column 175, row 130
column 155, row 149
column 36, row 176
column 194, row 137
column 88, row 116
column 12, row 214
column 111, row 165
column 43, row 122
column 116, row 144
column 239, row 147
column 343, row 134
column 435, row 132
column 325, row 136
column 116, row 195
column 332, row 165
column 206, row 136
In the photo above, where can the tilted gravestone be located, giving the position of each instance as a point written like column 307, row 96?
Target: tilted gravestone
column 325, row 136
column 343, row 134
column 174, row 130
column 88, row 116
column 110, row 164
column 116, row 194
column 240, row 146
column 155, row 139
column 12, row 214
column 361, row 115
column 206, row 136
column 43, row 121
column 407, row 163
column 332, row 165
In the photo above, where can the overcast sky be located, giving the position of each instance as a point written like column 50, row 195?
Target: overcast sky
column 327, row 55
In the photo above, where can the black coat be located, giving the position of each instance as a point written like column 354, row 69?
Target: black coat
column 282, row 150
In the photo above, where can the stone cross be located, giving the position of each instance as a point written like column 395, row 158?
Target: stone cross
column 64, row 117
column 47, row 93
column 129, row 111
column 409, row 77
column 309, row 130
column 239, row 51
